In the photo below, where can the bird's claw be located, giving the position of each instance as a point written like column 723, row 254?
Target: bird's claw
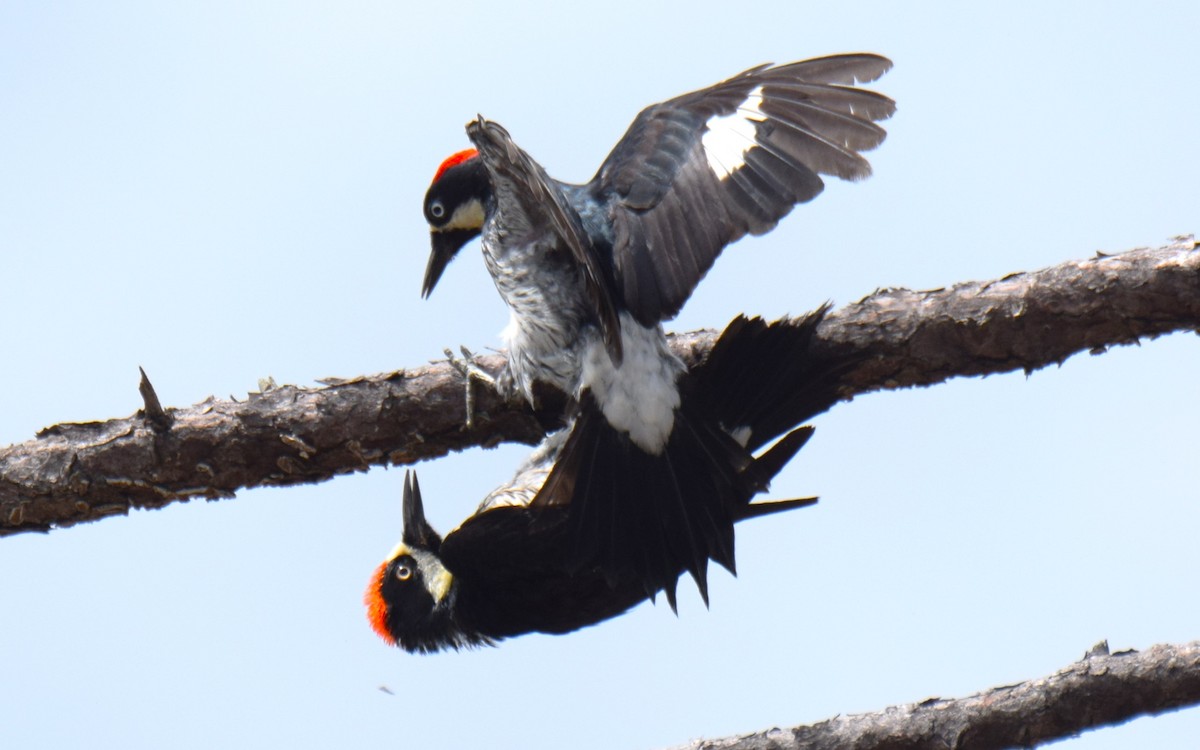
column 471, row 372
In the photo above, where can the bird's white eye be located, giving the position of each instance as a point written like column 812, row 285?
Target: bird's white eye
column 403, row 572
column 437, row 210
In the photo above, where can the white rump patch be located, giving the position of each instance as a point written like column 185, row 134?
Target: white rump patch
column 639, row 397
column 729, row 137
column 741, row 435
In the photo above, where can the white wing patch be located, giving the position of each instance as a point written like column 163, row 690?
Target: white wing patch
column 727, row 138
column 639, row 397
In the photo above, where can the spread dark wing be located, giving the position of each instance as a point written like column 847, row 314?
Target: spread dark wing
column 525, row 194
column 504, row 545
column 510, row 565
column 699, row 171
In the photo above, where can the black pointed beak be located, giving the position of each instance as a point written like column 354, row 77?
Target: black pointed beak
column 418, row 534
column 446, row 244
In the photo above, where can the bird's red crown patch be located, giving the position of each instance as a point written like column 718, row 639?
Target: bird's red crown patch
column 454, row 161
column 377, row 607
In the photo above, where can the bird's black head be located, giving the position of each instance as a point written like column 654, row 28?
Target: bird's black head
column 454, row 208
column 410, row 600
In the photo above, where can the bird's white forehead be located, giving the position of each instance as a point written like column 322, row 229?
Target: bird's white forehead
column 399, row 549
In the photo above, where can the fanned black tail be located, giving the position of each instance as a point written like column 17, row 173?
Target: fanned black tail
column 653, row 517
column 650, row 516
column 760, row 379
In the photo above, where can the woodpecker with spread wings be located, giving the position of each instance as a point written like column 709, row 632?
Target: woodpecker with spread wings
column 591, row 271
column 506, row 570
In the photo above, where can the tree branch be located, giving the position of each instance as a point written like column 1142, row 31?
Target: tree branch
column 76, row 472
column 1100, row 690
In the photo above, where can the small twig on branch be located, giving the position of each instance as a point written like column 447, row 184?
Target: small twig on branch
column 153, row 411
column 77, row 472
column 1101, row 690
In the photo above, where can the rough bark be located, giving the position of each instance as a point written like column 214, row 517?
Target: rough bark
column 76, row 472
column 1100, row 690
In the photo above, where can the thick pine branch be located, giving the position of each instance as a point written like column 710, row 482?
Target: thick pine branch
column 290, row 435
column 1100, row 690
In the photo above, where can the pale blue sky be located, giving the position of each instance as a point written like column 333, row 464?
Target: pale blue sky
column 223, row 191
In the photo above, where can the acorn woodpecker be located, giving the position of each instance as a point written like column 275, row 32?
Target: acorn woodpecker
column 590, row 271
column 506, row 570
